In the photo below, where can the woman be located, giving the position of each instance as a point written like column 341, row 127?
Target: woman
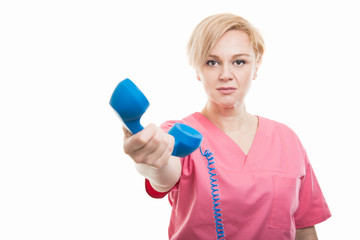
column 250, row 178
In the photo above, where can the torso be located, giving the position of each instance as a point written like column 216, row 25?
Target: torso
column 245, row 179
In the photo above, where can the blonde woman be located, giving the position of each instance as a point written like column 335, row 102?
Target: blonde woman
column 251, row 177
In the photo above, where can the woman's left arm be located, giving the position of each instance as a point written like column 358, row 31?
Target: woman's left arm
column 308, row 233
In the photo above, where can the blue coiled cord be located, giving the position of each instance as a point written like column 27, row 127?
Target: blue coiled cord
column 215, row 196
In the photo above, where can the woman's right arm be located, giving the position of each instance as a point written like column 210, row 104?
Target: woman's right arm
column 151, row 151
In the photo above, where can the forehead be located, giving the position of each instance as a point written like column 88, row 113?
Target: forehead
column 233, row 42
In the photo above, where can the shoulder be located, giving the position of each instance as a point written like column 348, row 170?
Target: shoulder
column 286, row 133
column 278, row 127
column 280, row 136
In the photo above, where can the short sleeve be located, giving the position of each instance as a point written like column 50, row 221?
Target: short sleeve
column 313, row 208
column 152, row 192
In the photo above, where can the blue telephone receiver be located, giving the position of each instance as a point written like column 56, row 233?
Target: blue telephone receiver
column 130, row 103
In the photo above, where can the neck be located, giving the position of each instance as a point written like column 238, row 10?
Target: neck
column 227, row 119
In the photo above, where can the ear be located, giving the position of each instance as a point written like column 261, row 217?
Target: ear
column 255, row 73
column 197, row 76
column 258, row 63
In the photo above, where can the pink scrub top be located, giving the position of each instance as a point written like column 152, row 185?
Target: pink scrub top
column 224, row 194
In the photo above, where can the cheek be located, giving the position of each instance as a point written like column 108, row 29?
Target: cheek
column 209, row 75
column 246, row 74
column 205, row 85
column 208, row 86
column 206, row 79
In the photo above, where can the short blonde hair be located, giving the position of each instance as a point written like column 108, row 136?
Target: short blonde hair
column 210, row 30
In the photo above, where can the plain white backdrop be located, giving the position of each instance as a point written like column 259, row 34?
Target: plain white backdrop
column 63, row 173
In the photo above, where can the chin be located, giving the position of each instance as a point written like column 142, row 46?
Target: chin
column 228, row 105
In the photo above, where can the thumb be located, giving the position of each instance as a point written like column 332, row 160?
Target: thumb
column 127, row 133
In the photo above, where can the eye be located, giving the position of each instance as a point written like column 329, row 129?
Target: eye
column 212, row 63
column 239, row 62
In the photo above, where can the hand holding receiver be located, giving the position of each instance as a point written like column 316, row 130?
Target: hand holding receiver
column 151, row 146
column 130, row 103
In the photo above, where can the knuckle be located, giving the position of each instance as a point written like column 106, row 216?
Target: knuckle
column 157, row 139
column 171, row 139
column 141, row 139
column 171, row 143
column 126, row 148
column 150, row 129
column 137, row 160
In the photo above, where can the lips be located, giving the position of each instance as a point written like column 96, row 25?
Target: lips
column 226, row 90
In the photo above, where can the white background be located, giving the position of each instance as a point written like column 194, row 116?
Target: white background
column 63, row 174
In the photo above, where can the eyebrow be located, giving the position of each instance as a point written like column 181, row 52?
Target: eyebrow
column 234, row 56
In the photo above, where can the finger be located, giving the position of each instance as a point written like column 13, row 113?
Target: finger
column 161, row 155
column 153, row 149
column 139, row 140
column 166, row 154
column 157, row 151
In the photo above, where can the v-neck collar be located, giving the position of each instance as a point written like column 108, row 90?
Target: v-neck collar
column 229, row 141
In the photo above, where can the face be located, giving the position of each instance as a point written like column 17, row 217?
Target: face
column 229, row 70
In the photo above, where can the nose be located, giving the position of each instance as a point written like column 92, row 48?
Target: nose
column 226, row 73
